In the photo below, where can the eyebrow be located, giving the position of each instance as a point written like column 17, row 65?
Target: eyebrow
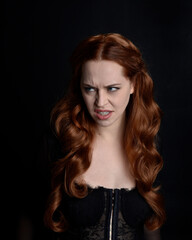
column 113, row 84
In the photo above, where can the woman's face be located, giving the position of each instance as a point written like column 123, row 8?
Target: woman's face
column 106, row 91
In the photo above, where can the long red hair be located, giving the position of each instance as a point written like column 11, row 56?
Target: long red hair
column 75, row 129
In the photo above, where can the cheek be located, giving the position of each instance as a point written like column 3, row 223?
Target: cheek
column 123, row 100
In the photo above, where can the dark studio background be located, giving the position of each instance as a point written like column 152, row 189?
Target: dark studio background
column 39, row 37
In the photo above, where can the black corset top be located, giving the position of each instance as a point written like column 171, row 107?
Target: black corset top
column 105, row 214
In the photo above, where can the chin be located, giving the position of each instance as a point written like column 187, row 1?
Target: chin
column 103, row 123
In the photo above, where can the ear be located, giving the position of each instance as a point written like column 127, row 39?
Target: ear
column 131, row 88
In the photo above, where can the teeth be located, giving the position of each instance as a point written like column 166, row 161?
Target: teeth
column 103, row 113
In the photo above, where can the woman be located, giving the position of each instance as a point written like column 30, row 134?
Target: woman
column 103, row 186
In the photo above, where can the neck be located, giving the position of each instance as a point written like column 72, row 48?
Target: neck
column 111, row 133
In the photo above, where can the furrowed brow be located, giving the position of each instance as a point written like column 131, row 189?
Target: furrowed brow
column 87, row 85
column 112, row 85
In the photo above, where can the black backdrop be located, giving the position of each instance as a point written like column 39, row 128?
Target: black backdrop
column 39, row 37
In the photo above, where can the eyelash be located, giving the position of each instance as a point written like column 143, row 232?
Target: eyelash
column 116, row 88
column 88, row 89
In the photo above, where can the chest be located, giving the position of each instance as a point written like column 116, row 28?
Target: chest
column 110, row 168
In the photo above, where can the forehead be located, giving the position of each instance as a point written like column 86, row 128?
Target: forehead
column 102, row 71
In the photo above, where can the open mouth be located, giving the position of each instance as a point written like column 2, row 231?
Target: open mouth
column 103, row 114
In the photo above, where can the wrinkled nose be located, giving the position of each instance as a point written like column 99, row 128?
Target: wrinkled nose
column 101, row 99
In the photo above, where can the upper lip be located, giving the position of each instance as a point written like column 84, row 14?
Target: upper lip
column 101, row 110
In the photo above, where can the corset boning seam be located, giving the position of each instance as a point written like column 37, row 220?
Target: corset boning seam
column 115, row 214
column 108, row 206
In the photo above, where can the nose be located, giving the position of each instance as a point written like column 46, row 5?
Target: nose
column 101, row 99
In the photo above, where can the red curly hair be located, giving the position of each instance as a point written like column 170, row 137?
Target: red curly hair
column 75, row 129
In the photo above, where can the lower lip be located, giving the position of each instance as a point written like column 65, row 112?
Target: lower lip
column 103, row 117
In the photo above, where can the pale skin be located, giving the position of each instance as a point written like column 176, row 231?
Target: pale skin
column 105, row 87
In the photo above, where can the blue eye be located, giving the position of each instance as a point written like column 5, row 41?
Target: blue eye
column 89, row 89
column 113, row 89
